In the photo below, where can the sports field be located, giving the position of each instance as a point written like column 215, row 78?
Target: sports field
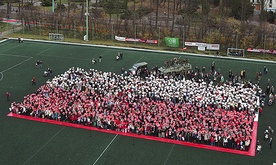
column 30, row 142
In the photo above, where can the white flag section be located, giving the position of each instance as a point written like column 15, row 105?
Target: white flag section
column 120, row 38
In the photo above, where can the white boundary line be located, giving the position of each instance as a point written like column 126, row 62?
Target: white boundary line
column 16, row 65
column 140, row 59
column 154, row 51
column 11, row 48
column 1, row 76
column 4, row 40
column 43, row 51
column 13, row 55
column 169, row 154
column 105, row 53
column 105, row 149
column 44, row 145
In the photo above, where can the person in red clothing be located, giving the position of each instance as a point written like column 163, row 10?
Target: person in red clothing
column 33, row 81
column 212, row 141
column 8, row 95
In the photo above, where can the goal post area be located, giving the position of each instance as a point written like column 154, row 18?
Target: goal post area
column 56, row 37
column 234, row 52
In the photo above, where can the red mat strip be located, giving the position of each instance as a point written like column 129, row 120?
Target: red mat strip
column 250, row 152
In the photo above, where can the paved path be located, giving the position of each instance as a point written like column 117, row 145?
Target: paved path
column 6, row 33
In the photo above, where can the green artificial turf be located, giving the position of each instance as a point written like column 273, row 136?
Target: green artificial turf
column 30, row 142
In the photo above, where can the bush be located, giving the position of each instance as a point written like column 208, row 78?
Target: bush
column 128, row 14
column 46, row 3
column 61, row 7
column 73, row 6
column 271, row 16
column 142, row 11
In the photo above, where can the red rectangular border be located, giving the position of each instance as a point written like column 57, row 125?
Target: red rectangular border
column 250, row 152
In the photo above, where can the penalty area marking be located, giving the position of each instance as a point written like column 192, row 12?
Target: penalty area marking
column 105, row 149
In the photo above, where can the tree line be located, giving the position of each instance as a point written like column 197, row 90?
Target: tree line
column 227, row 22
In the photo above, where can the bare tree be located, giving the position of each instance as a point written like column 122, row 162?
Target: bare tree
column 168, row 12
column 69, row 8
column 173, row 17
column 264, row 4
column 156, row 12
column 82, row 10
column 9, row 3
column 150, row 23
column 205, row 9
column 134, row 16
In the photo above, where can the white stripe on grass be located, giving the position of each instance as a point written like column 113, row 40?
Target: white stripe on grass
column 43, row 51
column 11, row 48
column 13, row 55
column 169, row 154
column 16, row 65
column 140, row 59
column 105, row 149
column 44, row 145
column 24, row 60
column 2, row 76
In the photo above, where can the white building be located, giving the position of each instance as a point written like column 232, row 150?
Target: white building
column 270, row 5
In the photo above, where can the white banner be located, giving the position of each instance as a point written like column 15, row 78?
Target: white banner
column 261, row 51
column 135, row 40
column 120, row 38
column 132, row 39
column 199, row 44
column 201, row 48
column 213, row 46
column 190, row 43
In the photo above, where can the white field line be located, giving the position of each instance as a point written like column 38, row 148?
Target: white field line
column 43, row 51
column 2, row 76
column 16, row 65
column 13, row 55
column 105, row 149
column 44, row 145
column 169, row 155
column 10, row 48
column 23, row 61
column 140, row 59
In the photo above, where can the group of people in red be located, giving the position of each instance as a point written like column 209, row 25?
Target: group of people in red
column 184, row 110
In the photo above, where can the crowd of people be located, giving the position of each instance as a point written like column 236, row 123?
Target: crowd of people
column 180, row 109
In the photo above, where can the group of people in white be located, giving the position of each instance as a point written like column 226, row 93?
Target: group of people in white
column 185, row 110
